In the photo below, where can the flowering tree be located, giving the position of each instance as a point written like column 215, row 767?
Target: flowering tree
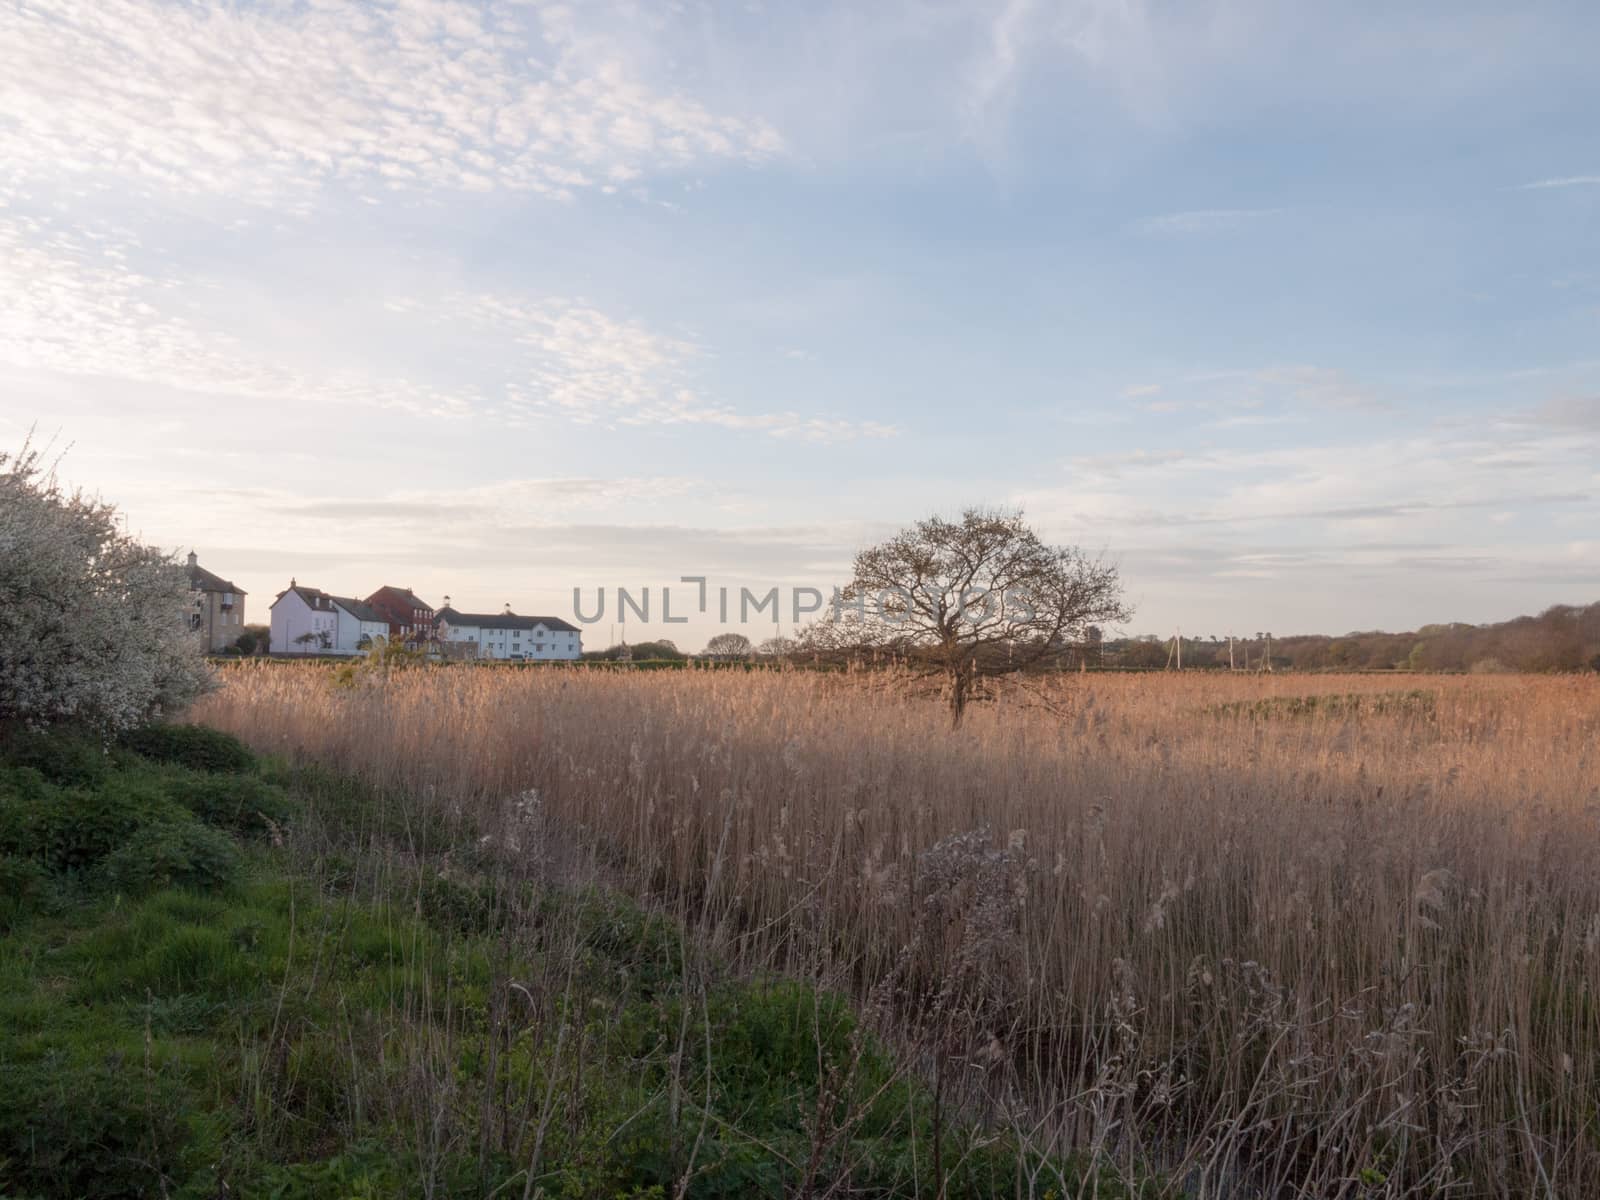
column 93, row 624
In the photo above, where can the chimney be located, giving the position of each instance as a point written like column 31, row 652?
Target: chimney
column 194, row 560
column 447, row 601
column 508, row 608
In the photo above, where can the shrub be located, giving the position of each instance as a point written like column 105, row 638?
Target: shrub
column 72, row 761
column 92, row 622
column 244, row 805
column 74, row 830
column 24, row 889
column 784, row 1032
column 183, row 854
column 90, row 1131
column 450, row 904
column 192, row 746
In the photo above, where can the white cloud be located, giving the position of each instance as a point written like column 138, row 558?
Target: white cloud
column 452, row 511
column 1562, row 182
column 1319, row 387
column 78, row 302
column 1570, row 412
column 595, row 368
column 1114, row 42
column 1205, row 220
column 1266, row 395
column 1422, row 481
column 75, row 302
column 269, row 102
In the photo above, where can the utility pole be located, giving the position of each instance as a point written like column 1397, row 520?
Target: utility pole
column 1230, row 652
column 1180, row 648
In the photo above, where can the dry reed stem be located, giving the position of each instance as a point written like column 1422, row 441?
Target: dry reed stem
column 1354, row 951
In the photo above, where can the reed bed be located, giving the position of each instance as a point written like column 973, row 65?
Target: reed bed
column 1297, row 935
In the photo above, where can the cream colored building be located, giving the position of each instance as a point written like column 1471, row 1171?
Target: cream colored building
column 217, row 615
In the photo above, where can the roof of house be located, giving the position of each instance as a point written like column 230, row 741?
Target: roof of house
column 405, row 595
column 324, row 602
column 313, row 597
column 502, row 620
column 359, row 609
column 202, row 580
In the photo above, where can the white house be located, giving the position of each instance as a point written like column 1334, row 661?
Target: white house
column 306, row 620
column 508, row 637
column 359, row 624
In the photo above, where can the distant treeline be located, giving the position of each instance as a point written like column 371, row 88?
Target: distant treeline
column 1563, row 638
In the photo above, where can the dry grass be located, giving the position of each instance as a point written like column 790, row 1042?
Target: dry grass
column 1347, row 949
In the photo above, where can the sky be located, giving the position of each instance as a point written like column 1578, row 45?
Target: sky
column 1291, row 310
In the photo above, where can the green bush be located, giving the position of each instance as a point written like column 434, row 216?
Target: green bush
column 92, row 1131
column 240, row 803
column 173, row 854
column 192, row 746
column 640, row 952
column 451, row 905
column 64, row 759
column 784, row 1033
column 73, row 831
column 24, row 889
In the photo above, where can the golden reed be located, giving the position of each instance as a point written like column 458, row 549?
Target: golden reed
column 1348, row 946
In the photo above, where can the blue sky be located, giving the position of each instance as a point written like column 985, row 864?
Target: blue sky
column 1293, row 310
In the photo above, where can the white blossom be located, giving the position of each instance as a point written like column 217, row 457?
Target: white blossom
column 93, row 623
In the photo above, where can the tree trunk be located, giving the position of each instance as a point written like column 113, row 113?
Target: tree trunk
column 962, row 675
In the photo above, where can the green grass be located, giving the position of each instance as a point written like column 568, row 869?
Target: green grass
column 266, row 1016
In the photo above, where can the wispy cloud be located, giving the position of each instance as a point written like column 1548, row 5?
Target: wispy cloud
column 271, row 102
column 571, row 358
column 1321, row 387
column 1432, row 484
column 1261, row 395
column 1205, row 220
column 1570, row 412
column 81, row 302
column 1113, row 42
column 1562, row 182
column 554, row 500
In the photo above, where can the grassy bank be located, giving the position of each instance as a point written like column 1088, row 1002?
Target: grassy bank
column 220, row 976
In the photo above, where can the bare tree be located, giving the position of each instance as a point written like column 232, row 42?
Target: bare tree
column 981, row 596
column 728, row 645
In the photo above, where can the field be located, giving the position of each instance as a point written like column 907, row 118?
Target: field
column 1311, row 935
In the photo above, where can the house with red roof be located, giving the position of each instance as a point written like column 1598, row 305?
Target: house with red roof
column 410, row 618
column 307, row 620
